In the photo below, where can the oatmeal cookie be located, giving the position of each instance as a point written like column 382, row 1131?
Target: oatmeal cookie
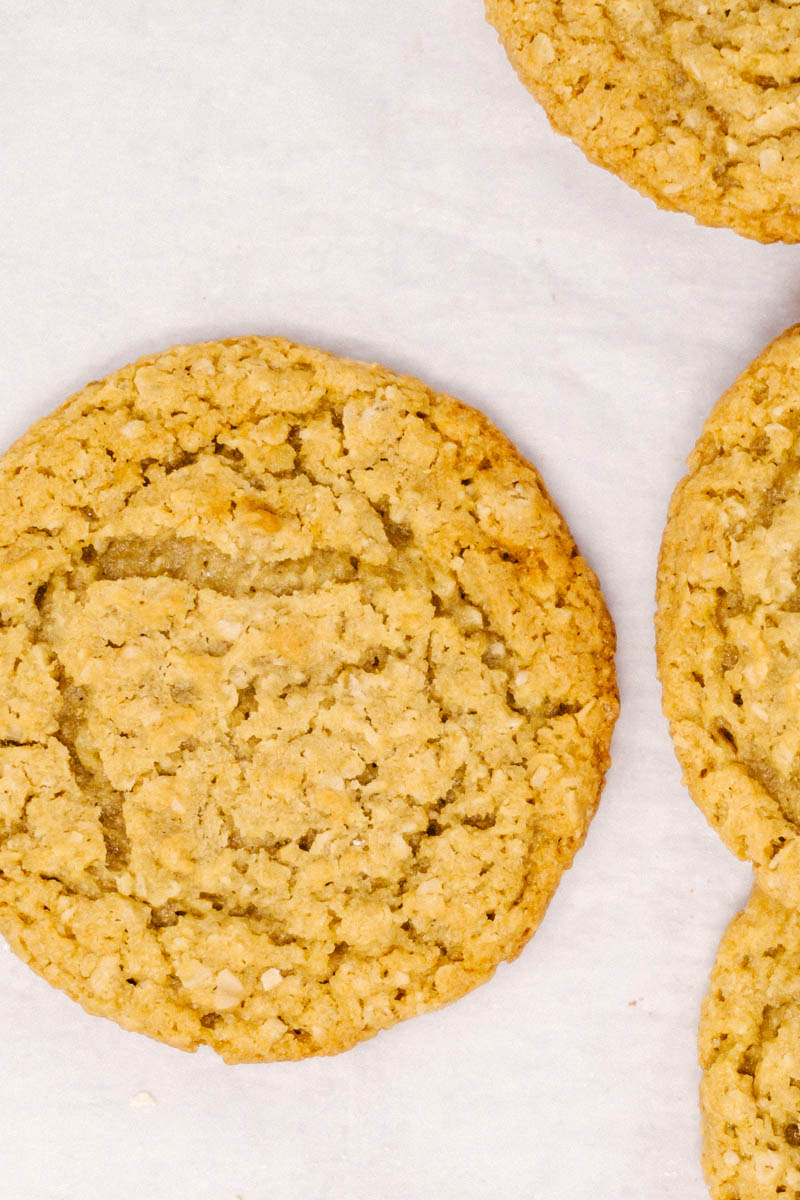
column 728, row 622
column 306, row 699
column 696, row 105
column 750, row 1055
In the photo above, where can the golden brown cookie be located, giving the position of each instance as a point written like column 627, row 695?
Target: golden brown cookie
column 695, row 104
column 750, row 1055
column 728, row 623
column 306, row 698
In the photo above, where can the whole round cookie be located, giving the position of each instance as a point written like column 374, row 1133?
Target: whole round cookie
column 750, row 1055
column 305, row 704
column 695, row 104
column 728, row 622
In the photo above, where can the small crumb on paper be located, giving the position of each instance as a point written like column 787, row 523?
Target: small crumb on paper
column 142, row 1100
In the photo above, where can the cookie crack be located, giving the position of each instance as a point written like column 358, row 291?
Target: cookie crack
column 91, row 781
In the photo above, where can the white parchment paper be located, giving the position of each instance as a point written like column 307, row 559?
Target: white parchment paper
column 371, row 178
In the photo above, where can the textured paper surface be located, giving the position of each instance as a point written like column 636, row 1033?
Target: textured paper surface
column 373, row 179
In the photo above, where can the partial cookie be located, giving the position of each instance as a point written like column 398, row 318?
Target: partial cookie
column 728, row 623
column 750, row 1055
column 695, row 104
column 306, row 698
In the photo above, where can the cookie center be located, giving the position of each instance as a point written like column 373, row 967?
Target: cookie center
column 246, row 726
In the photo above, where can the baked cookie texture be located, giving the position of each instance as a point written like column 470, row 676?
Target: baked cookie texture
column 695, row 104
column 750, row 1055
column 728, row 621
column 306, row 698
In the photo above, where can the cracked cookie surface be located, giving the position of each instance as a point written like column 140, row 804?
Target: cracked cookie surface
column 306, row 698
column 750, row 1054
column 728, row 622
column 695, row 104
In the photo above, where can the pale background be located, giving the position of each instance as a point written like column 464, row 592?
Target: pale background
column 370, row 177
